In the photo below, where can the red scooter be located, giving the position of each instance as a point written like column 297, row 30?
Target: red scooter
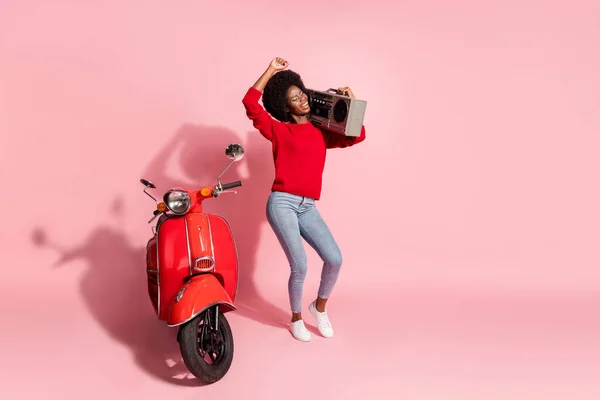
column 192, row 270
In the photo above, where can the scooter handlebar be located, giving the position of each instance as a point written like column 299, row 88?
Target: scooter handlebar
column 231, row 185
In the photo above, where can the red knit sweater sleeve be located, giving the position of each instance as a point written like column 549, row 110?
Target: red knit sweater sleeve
column 260, row 118
column 336, row 140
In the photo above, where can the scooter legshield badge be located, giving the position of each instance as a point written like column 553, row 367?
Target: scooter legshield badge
column 181, row 291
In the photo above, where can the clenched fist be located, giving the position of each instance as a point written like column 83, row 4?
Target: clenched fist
column 279, row 64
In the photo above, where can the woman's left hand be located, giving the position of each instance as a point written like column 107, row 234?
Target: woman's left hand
column 346, row 91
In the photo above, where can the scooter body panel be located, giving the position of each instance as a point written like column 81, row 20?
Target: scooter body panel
column 183, row 246
column 196, row 295
column 173, row 262
column 225, row 252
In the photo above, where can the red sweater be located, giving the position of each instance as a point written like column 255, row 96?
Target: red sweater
column 298, row 149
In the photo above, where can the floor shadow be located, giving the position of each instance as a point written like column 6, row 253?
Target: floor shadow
column 114, row 290
column 114, row 285
column 196, row 156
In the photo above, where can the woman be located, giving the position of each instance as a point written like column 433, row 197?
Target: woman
column 299, row 154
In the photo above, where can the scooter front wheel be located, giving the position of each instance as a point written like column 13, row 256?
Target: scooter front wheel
column 206, row 345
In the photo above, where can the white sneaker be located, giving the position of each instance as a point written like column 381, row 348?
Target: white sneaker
column 322, row 321
column 299, row 331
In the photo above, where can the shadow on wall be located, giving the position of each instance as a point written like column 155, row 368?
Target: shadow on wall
column 114, row 284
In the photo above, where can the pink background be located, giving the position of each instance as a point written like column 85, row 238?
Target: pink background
column 468, row 219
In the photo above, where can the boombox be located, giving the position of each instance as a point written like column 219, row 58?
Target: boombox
column 335, row 112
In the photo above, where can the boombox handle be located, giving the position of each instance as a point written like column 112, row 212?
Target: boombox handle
column 328, row 90
column 335, row 91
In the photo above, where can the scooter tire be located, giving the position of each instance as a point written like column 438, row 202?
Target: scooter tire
column 190, row 352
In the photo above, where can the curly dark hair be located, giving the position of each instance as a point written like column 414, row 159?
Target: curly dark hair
column 274, row 94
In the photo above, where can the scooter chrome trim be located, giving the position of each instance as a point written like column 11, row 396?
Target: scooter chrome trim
column 157, row 274
column 233, row 308
column 212, row 247
column 187, row 240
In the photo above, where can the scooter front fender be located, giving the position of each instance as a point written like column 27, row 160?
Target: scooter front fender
column 196, row 295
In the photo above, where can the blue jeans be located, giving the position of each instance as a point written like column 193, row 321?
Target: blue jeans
column 293, row 218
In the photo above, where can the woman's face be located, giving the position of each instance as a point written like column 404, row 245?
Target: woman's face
column 297, row 101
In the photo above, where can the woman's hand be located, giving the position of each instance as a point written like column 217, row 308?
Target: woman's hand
column 346, row 91
column 278, row 64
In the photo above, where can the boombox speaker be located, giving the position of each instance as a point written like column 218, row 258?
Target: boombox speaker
column 335, row 112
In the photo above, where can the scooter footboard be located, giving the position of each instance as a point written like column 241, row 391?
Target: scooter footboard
column 198, row 294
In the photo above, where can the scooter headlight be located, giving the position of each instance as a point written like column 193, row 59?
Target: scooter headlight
column 178, row 201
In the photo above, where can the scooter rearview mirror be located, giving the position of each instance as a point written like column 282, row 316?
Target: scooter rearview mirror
column 235, row 152
column 147, row 183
